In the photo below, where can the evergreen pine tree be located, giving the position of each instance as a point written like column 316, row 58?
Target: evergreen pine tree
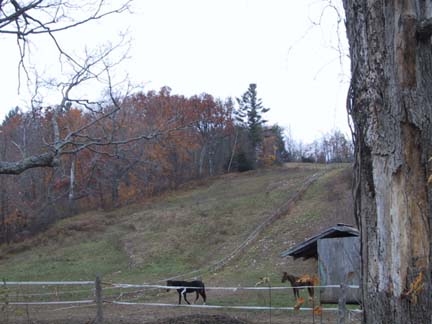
column 250, row 114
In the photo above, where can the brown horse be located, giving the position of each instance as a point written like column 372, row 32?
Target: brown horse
column 298, row 282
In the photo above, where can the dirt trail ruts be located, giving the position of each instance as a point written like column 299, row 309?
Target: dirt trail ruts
column 282, row 210
column 279, row 212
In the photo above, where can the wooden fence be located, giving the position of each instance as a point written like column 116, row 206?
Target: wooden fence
column 98, row 297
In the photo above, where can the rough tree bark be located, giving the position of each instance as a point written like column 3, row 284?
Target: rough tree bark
column 390, row 104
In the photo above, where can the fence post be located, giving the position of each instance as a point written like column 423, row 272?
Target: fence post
column 98, row 293
column 342, row 303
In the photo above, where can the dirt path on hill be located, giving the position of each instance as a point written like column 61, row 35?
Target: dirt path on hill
column 252, row 237
column 282, row 210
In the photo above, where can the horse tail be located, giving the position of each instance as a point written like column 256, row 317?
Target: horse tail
column 202, row 291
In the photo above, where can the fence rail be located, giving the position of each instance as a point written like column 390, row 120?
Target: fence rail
column 223, row 307
column 229, row 288
column 47, row 283
column 99, row 287
column 67, row 302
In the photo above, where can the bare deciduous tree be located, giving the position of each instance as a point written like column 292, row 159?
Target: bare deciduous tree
column 26, row 19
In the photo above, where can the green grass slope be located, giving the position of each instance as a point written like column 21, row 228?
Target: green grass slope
column 190, row 229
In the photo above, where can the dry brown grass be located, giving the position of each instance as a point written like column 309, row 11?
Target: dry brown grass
column 193, row 228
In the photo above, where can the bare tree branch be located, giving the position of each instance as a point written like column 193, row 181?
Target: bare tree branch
column 50, row 17
column 23, row 19
column 35, row 18
column 41, row 160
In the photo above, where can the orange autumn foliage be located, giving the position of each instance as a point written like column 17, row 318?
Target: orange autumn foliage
column 155, row 142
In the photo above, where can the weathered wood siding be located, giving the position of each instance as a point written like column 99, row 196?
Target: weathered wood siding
column 338, row 262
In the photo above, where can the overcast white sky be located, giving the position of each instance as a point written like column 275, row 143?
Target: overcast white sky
column 220, row 47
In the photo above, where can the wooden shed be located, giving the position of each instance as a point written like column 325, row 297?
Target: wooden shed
column 337, row 250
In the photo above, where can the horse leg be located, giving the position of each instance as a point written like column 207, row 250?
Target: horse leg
column 311, row 293
column 203, row 295
column 179, row 293
column 296, row 293
column 184, row 296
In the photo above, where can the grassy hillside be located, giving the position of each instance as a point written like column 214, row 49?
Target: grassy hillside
column 190, row 229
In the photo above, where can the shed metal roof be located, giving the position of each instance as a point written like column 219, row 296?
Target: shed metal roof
column 309, row 248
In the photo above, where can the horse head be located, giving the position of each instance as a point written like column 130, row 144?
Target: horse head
column 288, row 277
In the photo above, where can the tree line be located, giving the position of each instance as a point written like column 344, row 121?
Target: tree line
column 155, row 142
column 332, row 147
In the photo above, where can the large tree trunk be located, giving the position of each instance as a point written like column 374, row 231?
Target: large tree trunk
column 390, row 102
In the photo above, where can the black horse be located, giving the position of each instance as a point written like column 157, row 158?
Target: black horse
column 186, row 287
